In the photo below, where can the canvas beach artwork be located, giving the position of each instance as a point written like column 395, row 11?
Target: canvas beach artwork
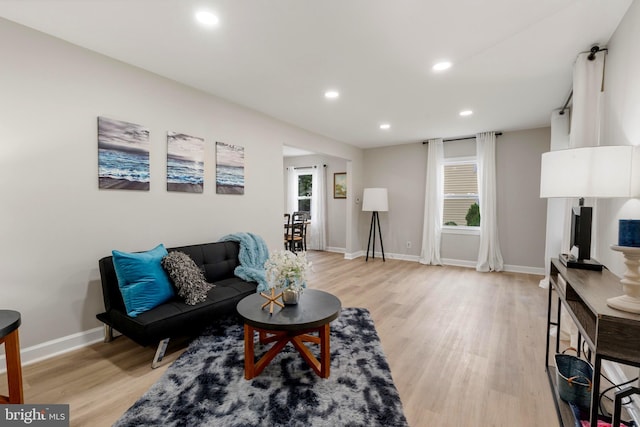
column 123, row 155
column 229, row 169
column 185, row 163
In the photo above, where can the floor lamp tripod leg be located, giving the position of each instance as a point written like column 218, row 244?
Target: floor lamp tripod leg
column 373, row 238
column 371, row 230
column 380, row 234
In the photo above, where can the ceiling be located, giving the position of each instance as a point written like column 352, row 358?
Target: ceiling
column 512, row 60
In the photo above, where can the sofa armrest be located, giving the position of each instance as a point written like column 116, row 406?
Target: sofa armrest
column 110, row 289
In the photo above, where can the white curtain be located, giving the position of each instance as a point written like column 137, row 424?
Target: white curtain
column 587, row 90
column 317, row 235
column 588, row 80
column 489, row 256
column 556, row 208
column 432, row 229
column 585, row 132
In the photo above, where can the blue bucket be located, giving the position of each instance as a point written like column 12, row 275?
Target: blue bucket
column 574, row 380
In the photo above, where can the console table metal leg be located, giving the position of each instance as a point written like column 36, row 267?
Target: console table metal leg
column 546, row 355
column 618, row 403
column 558, row 325
column 579, row 345
column 595, row 390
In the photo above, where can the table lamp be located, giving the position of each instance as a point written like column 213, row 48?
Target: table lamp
column 601, row 172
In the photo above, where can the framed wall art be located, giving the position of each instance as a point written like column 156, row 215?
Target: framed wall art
column 340, row 185
column 123, row 155
column 229, row 169
column 185, row 163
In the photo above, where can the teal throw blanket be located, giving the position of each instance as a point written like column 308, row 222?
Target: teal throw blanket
column 253, row 254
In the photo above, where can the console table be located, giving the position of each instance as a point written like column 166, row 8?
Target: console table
column 609, row 333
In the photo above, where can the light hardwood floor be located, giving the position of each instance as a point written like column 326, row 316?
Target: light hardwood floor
column 465, row 348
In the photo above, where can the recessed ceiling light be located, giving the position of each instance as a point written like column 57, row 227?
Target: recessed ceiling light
column 385, row 126
column 441, row 66
column 207, row 18
column 331, row 94
column 464, row 113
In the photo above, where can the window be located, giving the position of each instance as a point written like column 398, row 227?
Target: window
column 460, row 203
column 305, row 191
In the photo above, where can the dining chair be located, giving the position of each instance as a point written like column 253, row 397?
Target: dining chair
column 287, row 231
column 299, row 222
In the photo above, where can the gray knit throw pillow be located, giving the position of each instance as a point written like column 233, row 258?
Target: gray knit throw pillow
column 187, row 277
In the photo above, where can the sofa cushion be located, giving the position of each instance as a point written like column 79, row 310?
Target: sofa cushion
column 143, row 282
column 186, row 277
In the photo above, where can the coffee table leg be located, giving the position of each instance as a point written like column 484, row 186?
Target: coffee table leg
column 249, row 367
column 14, row 368
column 325, row 351
column 322, row 367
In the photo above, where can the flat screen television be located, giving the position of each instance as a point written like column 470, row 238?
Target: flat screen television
column 581, row 219
column 581, row 231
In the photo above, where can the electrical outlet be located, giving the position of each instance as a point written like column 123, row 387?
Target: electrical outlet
column 408, row 244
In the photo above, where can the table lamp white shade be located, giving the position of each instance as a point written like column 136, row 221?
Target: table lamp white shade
column 602, row 171
column 375, row 200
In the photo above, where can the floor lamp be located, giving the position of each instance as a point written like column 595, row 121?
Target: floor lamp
column 375, row 200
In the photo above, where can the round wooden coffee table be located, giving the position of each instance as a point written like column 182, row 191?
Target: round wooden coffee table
column 293, row 323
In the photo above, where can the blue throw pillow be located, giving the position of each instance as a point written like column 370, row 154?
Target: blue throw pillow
column 143, row 282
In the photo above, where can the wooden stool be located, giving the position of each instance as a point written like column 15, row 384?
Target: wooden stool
column 9, row 323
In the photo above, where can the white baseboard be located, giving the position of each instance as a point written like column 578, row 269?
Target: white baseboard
column 459, row 263
column 354, row 255
column 507, row 267
column 402, row 257
column 56, row 347
column 539, row 271
column 468, row 264
column 450, row 261
column 335, row 250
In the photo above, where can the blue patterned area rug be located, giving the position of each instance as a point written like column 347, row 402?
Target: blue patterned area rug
column 205, row 386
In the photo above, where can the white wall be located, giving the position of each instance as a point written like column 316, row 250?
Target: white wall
column 620, row 126
column 54, row 221
column 521, row 212
column 400, row 169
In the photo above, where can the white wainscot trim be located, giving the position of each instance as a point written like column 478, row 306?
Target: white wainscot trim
column 336, row 250
column 56, row 347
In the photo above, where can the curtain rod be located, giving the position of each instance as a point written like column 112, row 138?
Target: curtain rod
column 592, row 55
column 462, row 138
column 307, row 167
column 566, row 104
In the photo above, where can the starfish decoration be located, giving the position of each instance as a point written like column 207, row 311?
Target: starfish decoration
column 272, row 299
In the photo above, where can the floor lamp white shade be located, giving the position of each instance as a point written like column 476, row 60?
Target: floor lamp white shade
column 375, row 200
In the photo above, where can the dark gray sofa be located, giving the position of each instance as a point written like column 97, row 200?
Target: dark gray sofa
column 175, row 318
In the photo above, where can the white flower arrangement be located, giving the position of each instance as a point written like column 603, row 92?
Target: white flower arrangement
column 287, row 270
